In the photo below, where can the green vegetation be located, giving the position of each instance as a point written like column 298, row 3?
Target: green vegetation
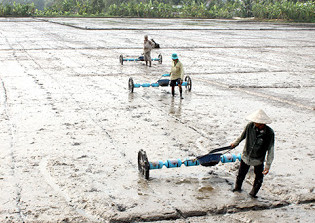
column 287, row 10
column 17, row 9
column 292, row 10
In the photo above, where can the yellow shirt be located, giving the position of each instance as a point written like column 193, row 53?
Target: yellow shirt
column 177, row 71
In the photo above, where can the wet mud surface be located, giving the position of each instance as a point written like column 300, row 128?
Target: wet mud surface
column 70, row 131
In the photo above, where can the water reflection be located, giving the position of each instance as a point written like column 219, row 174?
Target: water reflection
column 130, row 97
column 176, row 107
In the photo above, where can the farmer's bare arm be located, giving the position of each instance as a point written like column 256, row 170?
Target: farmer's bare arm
column 266, row 171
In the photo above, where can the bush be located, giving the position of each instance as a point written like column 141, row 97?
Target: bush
column 288, row 10
column 17, row 9
column 293, row 10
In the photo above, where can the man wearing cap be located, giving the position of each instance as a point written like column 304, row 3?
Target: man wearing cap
column 177, row 75
column 259, row 141
column 147, row 47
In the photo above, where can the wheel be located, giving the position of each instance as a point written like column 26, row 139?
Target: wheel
column 160, row 58
column 189, row 83
column 143, row 164
column 130, row 85
column 121, row 59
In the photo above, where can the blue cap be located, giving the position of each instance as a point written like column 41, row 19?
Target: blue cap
column 174, row 56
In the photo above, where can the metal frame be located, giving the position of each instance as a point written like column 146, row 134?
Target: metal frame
column 210, row 159
column 131, row 85
column 122, row 59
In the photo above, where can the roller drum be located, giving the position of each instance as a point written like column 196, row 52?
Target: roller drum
column 191, row 162
column 229, row 158
column 156, row 165
column 173, row 163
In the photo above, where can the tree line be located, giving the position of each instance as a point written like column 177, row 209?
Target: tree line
column 294, row 10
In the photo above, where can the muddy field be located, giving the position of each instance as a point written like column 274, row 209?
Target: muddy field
column 70, row 131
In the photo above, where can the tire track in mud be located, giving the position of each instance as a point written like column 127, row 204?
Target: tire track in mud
column 96, row 122
column 92, row 118
column 229, row 209
column 4, row 98
column 12, row 160
column 44, row 161
column 263, row 64
column 218, row 211
column 200, row 132
column 43, row 164
column 127, row 162
column 50, row 180
column 178, row 213
column 261, row 95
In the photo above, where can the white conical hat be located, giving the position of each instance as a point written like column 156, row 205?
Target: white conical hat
column 259, row 116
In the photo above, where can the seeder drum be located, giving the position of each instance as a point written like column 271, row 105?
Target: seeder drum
column 160, row 83
column 210, row 159
column 141, row 58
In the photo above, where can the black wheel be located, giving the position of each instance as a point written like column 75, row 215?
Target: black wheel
column 143, row 164
column 189, row 83
column 130, row 85
column 121, row 59
column 160, row 58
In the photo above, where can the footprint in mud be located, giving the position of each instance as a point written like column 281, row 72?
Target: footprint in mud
column 205, row 189
column 120, row 207
column 185, row 181
column 203, row 197
column 211, row 172
column 148, row 120
column 229, row 182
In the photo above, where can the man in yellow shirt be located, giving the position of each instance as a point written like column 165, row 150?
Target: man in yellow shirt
column 177, row 75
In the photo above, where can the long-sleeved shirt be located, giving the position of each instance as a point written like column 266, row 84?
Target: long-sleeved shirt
column 177, row 71
column 257, row 144
column 147, row 46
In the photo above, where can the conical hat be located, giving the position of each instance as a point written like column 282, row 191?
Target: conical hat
column 259, row 116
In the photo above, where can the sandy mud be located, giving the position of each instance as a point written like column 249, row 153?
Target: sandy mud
column 70, row 130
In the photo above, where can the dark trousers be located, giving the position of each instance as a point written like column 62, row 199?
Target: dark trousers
column 243, row 170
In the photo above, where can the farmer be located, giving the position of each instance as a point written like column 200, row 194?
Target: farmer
column 259, row 141
column 177, row 75
column 147, row 47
